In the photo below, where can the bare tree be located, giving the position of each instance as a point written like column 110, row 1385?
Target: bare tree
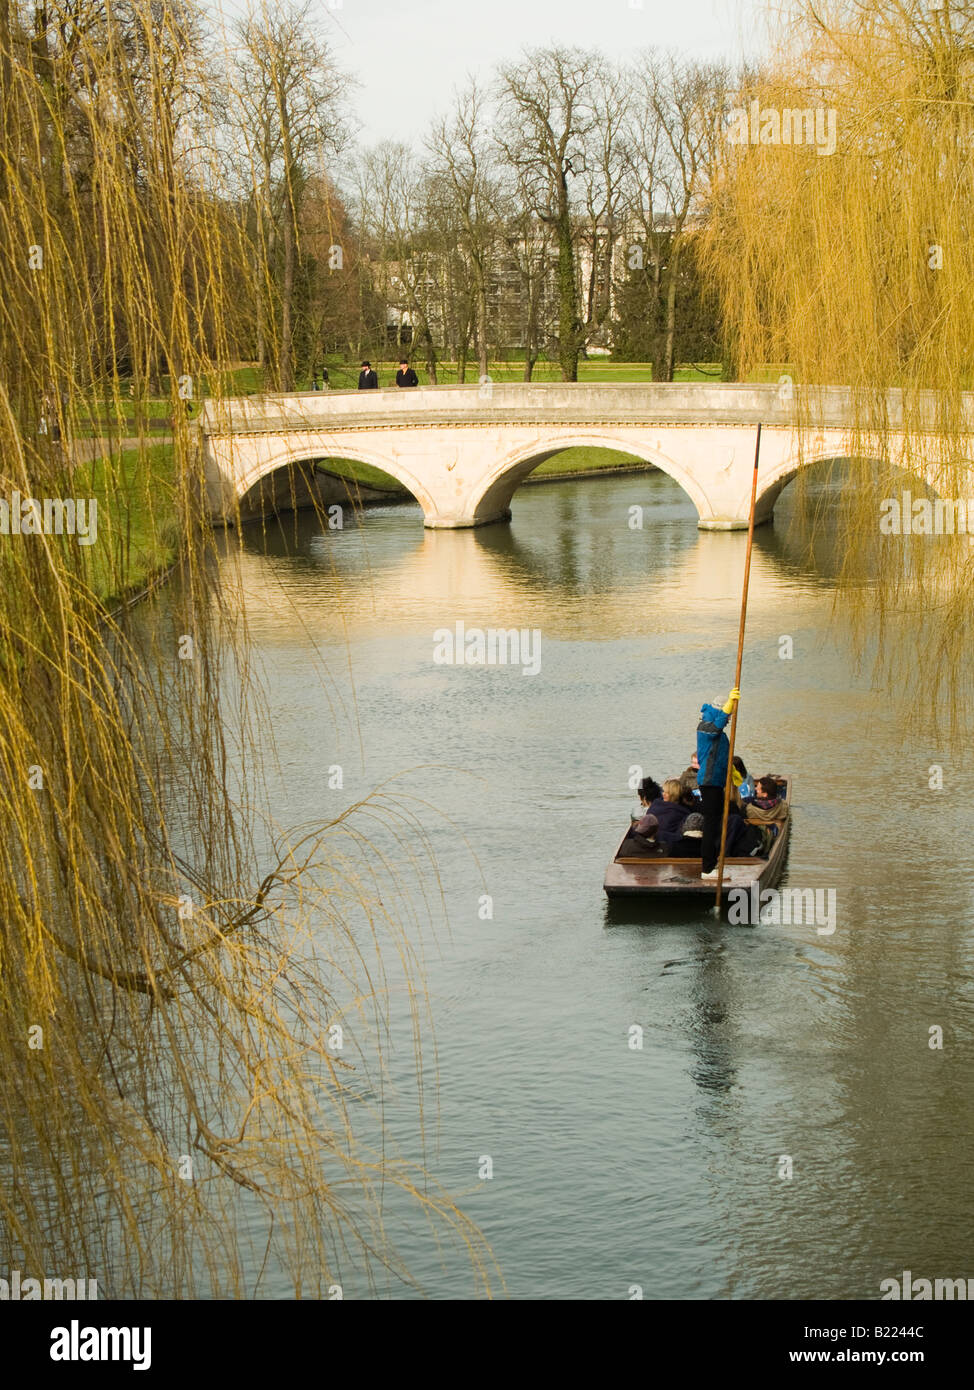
column 529, row 250
column 551, row 124
column 466, row 188
column 605, row 191
column 330, row 289
column 394, row 210
column 674, row 125
column 454, row 302
column 289, row 96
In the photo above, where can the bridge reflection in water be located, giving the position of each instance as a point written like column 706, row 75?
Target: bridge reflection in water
column 590, row 574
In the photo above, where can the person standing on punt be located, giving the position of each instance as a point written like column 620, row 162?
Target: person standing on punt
column 713, row 751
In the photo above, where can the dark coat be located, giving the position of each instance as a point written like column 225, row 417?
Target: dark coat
column 686, row 847
column 670, row 815
column 407, row 377
column 367, row 380
column 741, row 837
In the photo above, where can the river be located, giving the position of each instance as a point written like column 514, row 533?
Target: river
column 619, row 1168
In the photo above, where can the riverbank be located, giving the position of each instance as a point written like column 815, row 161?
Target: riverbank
column 582, row 462
column 138, row 536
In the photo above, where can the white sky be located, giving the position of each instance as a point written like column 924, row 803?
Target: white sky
column 409, row 54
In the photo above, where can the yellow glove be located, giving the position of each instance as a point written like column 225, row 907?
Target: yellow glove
column 734, row 695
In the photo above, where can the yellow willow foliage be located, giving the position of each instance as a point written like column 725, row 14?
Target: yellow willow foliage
column 842, row 254
column 175, row 1119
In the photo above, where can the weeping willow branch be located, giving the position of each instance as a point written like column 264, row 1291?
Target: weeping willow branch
column 851, row 266
column 151, row 1000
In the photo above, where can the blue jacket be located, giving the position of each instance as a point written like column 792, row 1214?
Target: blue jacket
column 713, row 747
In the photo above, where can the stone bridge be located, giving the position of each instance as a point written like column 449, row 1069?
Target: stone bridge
column 462, row 451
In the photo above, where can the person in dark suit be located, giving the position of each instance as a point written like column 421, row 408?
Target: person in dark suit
column 367, row 379
column 405, row 375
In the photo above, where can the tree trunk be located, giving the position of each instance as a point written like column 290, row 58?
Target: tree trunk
column 482, row 323
column 568, row 342
column 153, row 373
column 430, row 352
column 286, row 370
column 672, row 274
column 656, row 336
column 261, row 345
column 531, row 330
column 730, row 365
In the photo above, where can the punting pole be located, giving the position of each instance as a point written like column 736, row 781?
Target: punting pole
column 737, row 678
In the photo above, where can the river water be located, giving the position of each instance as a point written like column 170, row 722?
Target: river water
column 642, row 1081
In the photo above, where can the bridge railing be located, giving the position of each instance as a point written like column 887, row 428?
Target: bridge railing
column 561, row 402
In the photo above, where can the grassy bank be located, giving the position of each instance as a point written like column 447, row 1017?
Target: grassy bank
column 343, row 375
column 564, row 464
column 138, row 531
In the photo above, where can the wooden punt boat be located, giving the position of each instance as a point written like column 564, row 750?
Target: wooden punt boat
column 657, row 875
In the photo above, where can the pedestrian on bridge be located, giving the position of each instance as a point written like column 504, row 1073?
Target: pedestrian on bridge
column 367, row 379
column 405, row 375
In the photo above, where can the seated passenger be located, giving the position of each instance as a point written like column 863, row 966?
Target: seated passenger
column 689, row 796
column 742, row 781
column 641, row 840
column 768, row 806
column 743, row 840
column 668, row 811
column 688, row 779
column 647, row 791
column 688, row 845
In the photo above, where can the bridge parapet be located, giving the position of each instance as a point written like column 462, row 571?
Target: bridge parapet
column 676, row 402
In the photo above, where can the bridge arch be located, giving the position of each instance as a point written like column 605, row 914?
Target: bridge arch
column 492, row 499
column 771, row 486
column 307, row 452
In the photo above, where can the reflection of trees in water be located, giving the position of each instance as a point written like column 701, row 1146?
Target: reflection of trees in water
column 574, row 536
column 591, row 549
column 804, row 538
column 299, row 537
column 569, row 537
column 568, row 556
